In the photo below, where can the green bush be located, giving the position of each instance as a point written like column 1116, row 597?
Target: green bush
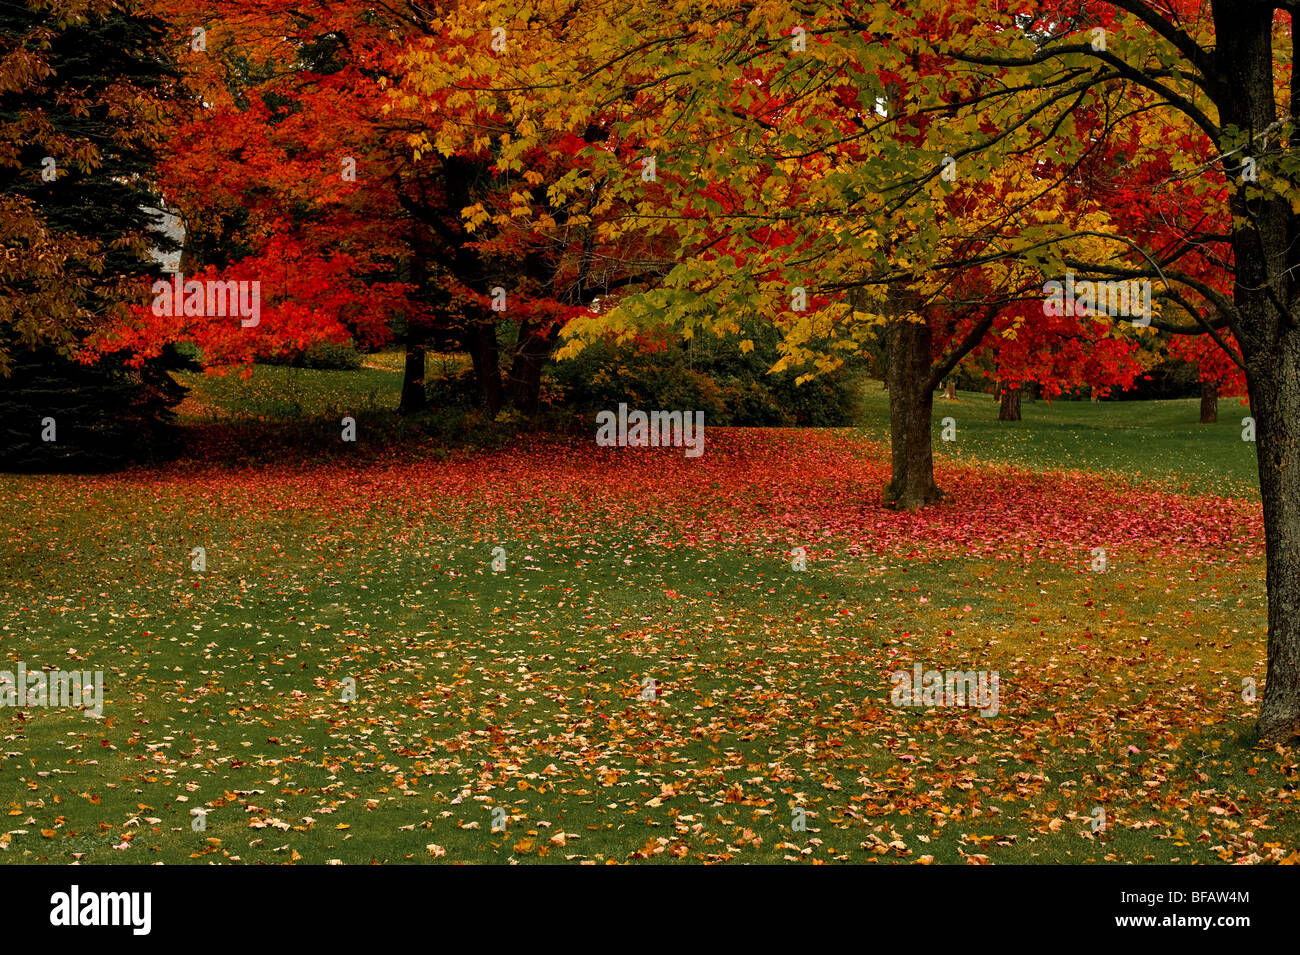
column 101, row 416
column 709, row 374
column 453, row 389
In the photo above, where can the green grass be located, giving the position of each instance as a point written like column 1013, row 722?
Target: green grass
column 523, row 689
column 275, row 391
column 1142, row 442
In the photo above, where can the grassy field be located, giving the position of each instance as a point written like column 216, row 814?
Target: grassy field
column 1142, row 442
column 1139, row 442
column 648, row 678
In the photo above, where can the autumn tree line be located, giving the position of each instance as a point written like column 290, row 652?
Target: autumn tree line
column 300, row 151
column 824, row 180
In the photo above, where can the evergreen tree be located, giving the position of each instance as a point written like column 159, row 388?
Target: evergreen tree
column 84, row 88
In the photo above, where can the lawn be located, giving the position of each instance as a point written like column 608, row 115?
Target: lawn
column 648, row 678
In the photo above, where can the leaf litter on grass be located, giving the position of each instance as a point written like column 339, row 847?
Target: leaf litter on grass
column 524, row 691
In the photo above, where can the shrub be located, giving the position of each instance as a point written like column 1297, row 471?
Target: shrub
column 105, row 415
column 709, row 374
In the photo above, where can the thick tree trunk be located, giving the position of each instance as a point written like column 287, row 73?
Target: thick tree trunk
column 535, row 345
column 911, row 405
column 1275, row 392
column 1264, row 242
column 480, row 337
column 1209, row 402
column 1009, row 409
column 414, row 400
column 482, row 347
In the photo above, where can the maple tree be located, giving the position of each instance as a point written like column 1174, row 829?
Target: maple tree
column 1060, row 354
column 276, row 168
column 542, row 229
column 1221, row 76
column 1219, row 373
column 1225, row 58
column 834, row 160
column 795, row 159
column 306, row 163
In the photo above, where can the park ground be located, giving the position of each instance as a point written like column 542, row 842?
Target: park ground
column 648, row 678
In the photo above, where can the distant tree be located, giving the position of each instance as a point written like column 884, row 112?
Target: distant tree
column 1219, row 375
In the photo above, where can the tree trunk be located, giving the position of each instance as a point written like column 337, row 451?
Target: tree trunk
column 535, row 345
column 414, row 400
column 1209, row 402
column 1275, row 390
column 1264, row 237
column 480, row 337
column 1009, row 409
column 482, row 347
column 911, row 406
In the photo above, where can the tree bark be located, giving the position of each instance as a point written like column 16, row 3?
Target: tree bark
column 414, row 399
column 1009, row 408
column 535, row 345
column 1275, row 391
column 465, row 262
column 1209, row 402
column 911, row 407
column 1264, row 239
column 482, row 347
